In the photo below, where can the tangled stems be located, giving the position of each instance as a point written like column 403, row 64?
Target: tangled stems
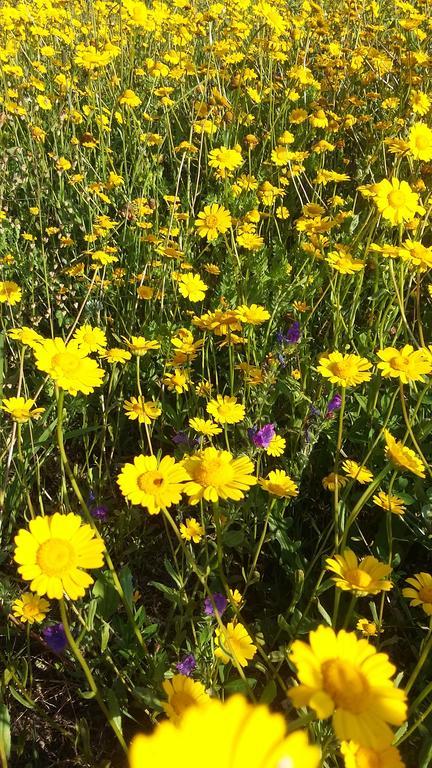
column 66, row 466
column 87, row 672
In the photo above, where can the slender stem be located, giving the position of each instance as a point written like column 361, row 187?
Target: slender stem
column 336, row 468
column 89, row 677
column 260, row 543
column 410, row 429
column 418, row 667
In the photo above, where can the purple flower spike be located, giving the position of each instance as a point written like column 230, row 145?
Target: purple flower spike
column 55, row 638
column 99, row 512
column 187, row 666
column 263, row 437
column 293, row 334
column 220, row 602
column 334, row 404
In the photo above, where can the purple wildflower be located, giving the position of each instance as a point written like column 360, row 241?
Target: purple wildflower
column 187, row 666
column 100, row 512
column 55, row 638
column 293, row 334
column 220, row 602
column 263, row 437
column 180, row 438
column 334, row 405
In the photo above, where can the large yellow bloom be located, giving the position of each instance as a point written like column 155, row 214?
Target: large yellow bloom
column 420, row 142
column 68, row 365
column 230, row 734
column 153, row 484
column 278, row 483
column 345, row 370
column 182, row 692
column 54, row 553
column 344, row 677
column 234, row 644
column 366, row 577
column 217, row 475
column 226, row 410
column 420, row 590
column 404, row 364
column 402, row 457
column 396, row 201
column 212, row 221
column 364, row 757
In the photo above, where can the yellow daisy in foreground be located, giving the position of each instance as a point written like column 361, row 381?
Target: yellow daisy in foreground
column 226, row 410
column 151, row 483
column 138, row 408
column 182, row 693
column 364, row 757
column 278, row 483
column 357, row 471
column 346, row 678
column 20, row 409
column 396, row 201
column 405, row 364
column 55, row 553
column 68, row 365
column 215, row 475
column 10, row 292
column 420, row 590
column 192, row 530
column 402, row 457
column 230, row 734
column 367, row 577
column 213, row 221
column 30, row 607
column 234, row 644
column 192, row 287
column 345, row 370
column 390, row 503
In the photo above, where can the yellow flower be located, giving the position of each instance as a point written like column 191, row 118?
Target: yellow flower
column 345, row 370
column 26, row 336
column 145, row 292
column 178, row 381
column 138, row 408
column 396, row 201
column 30, row 607
column 116, row 355
column 357, row 472
column 20, row 409
column 151, row 483
column 367, row 628
column 44, row 102
column 213, row 221
column 366, row 577
column 344, row 677
column 250, row 241
column 205, row 427
column 10, row 292
column 343, row 262
column 420, row 590
column 252, row 737
column 390, row 503
column 234, row 644
column 90, row 339
column 140, row 346
column 191, row 530
column 406, row 364
column 420, row 102
column 225, row 159
column 217, row 475
column 276, row 446
column 192, row 287
column 364, row 757
column 278, row 483
column 253, row 314
column 129, row 98
column 402, row 457
column 420, row 142
column 226, row 410
column 182, row 693
column 68, row 365
column 329, row 481
column 55, row 553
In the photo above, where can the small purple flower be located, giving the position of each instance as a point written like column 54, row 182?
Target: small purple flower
column 55, row 638
column 100, row 512
column 293, row 334
column 314, row 411
column 280, row 337
column 263, row 437
column 334, row 405
column 180, row 438
column 220, row 602
column 187, row 666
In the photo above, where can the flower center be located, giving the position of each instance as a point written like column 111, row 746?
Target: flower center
column 181, row 701
column 400, row 363
column 422, row 142
column 150, row 482
column 211, row 221
column 396, row 199
column 425, row 594
column 367, row 758
column 344, row 369
column 55, row 557
column 66, row 362
column 213, row 472
column 30, row 610
column 345, row 685
column 358, row 578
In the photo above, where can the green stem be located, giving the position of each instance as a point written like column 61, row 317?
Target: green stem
column 336, row 468
column 260, row 543
column 410, row 429
column 89, row 677
column 423, row 656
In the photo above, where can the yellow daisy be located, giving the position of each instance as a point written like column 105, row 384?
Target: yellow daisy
column 420, row 590
column 226, row 410
column 406, row 364
column 139, row 408
column 90, row 339
column 420, row 142
column 396, row 201
column 68, row 365
column 192, row 530
column 390, row 503
column 234, row 644
column 20, row 409
column 278, row 483
column 345, row 370
column 364, row 757
column 30, row 608
column 10, row 292
column 205, row 427
column 182, row 692
column 366, row 577
column 357, row 471
column 217, row 475
column 402, row 457
column 213, row 221
column 329, row 481
column 276, row 446
column 151, row 483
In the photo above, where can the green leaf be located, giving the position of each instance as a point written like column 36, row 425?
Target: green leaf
column 5, row 735
column 240, row 686
column 269, row 693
